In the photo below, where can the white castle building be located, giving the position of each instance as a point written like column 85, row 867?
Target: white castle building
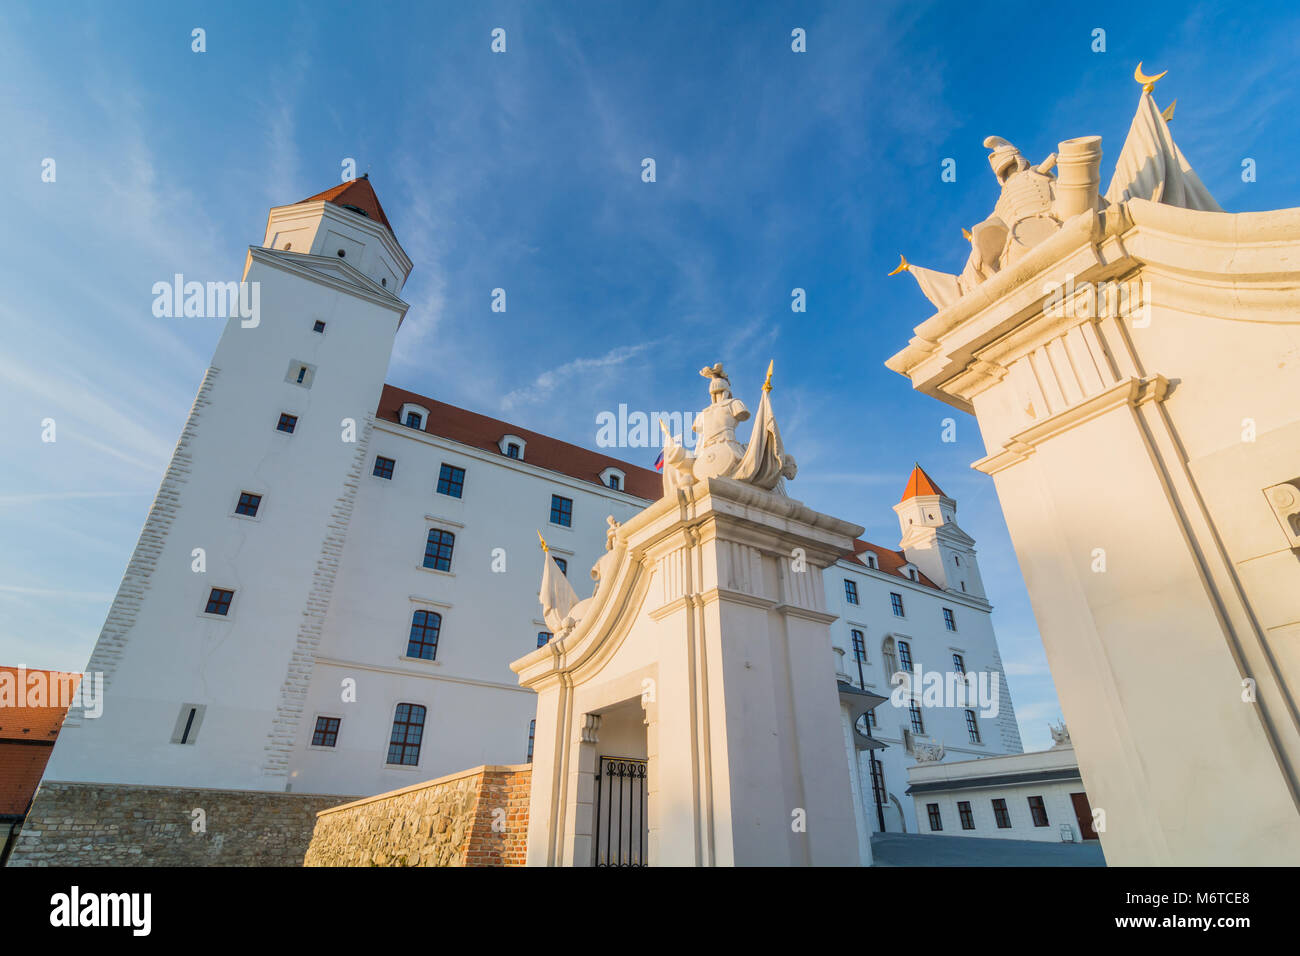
column 922, row 611
column 336, row 574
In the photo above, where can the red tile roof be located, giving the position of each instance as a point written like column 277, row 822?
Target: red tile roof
column 919, row 484
column 891, row 562
column 20, row 772
column 27, row 733
column 358, row 193
column 33, row 723
column 479, row 431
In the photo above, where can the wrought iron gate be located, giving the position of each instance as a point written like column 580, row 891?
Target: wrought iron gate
column 620, row 817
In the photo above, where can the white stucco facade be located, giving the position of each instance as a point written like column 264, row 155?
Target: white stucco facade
column 1033, row 796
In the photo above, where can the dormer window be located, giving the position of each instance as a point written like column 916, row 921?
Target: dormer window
column 413, row 416
column 356, row 209
column 613, row 478
column 512, row 446
column 871, row 561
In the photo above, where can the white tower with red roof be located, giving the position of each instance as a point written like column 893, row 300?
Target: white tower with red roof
column 932, row 539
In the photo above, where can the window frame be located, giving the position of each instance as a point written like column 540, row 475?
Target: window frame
column 904, row 650
column 452, row 477
column 375, row 470
column 1001, row 815
column 973, row 727
column 896, row 604
column 405, row 742
column 563, row 507
column 451, row 550
column 966, row 815
column 949, row 619
column 1038, row 809
column 916, row 716
column 316, row 731
column 858, row 641
column 424, row 627
column 228, row 604
column 292, row 422
column 851, row 592
column 936, row 817
column 254, row 504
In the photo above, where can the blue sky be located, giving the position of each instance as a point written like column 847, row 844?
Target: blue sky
column 775, row 170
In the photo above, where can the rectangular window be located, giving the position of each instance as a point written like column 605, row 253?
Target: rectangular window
column 562, row 565
column 532, row 731
column 936, row 821
column 972, row 727
column 967, row 818
column 614, row 482
column 948, row 620
column 872, row 722
column 958, row 664
column 319, row 326
column 896, row 602
column 1000, row 814
column 248, row 504
column 188, row 720
column 414, row 420
column 219, row 601
column 302, row 373
column 859, row 646
column 437, row 550
column 851, row 591
column 905, row 656
column 287, row 423
column 918, row 722
column 423, row 639
column 408, row 731
column 878, row 795
column 512, row 450
column 326, row 733
column 561, row 511
column 544, row 638
column 384, row 467
column 451, row 481
column 1038, row 811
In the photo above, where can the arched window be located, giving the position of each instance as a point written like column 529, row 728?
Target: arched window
column 408, row 732
column 437, row 552
column 423, row 642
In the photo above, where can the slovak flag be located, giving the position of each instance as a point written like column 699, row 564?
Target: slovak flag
column 659, row 462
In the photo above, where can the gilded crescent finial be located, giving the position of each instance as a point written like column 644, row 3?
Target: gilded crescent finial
column 1148, row 82
column 903, row 266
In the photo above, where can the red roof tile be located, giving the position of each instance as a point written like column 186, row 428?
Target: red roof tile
column 359, row 194
column 21, row 767
column 919, row 484
column 22, row 727
column 484, row 433
column 34, row 723
column 891, row 562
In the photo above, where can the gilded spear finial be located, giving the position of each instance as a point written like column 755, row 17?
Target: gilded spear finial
column 1148, row 82
column 543, row 541
column 767, row 384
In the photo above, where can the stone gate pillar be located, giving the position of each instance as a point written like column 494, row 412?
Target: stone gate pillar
column 713, row 626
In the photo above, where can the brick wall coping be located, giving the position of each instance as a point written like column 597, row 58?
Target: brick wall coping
column 188, row 789
column 471, row 772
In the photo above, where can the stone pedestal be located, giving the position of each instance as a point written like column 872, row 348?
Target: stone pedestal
column 707, row 653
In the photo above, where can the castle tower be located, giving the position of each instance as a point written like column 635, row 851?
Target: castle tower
column 931, row 538
column 208, row 648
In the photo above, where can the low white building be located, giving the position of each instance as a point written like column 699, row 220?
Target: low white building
column 921, row 611
column 1032, row 796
